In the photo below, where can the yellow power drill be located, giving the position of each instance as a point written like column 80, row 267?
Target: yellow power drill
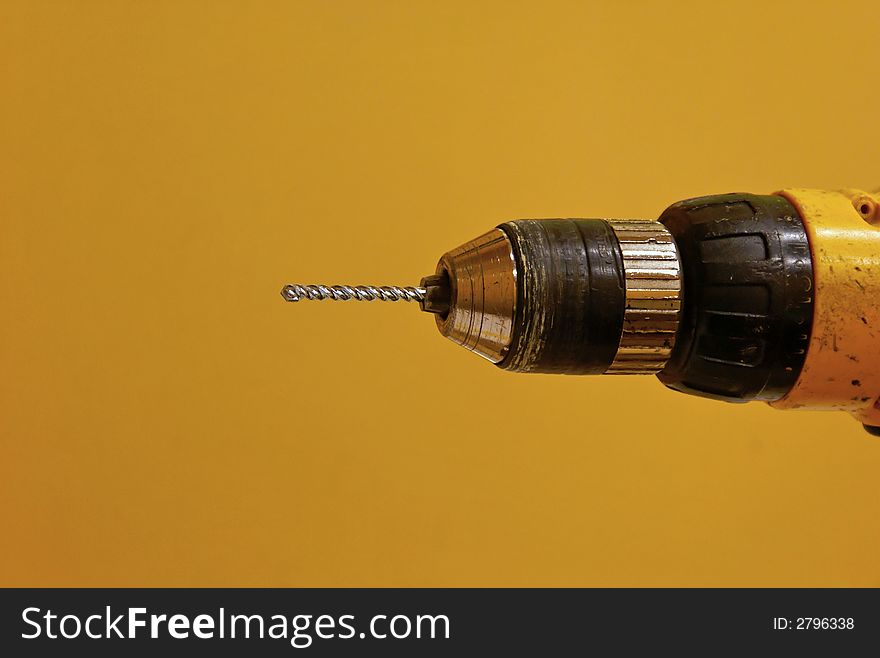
column 735, row 297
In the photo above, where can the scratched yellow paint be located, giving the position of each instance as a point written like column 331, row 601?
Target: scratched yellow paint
column 842, row 366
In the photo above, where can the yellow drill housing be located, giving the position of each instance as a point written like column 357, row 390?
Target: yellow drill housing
column 842, row 366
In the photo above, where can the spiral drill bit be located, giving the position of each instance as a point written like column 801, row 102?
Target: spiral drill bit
column 294, row 292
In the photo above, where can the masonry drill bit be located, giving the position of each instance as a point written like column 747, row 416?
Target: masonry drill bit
column 294, row 292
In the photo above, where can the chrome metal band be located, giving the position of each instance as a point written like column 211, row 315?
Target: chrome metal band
column 653, row 296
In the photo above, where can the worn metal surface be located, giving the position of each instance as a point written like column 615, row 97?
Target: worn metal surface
column 482, row 289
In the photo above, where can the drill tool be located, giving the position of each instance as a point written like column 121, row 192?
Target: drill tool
column 735, row 297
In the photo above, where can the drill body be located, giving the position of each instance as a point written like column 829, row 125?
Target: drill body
column 736, row 297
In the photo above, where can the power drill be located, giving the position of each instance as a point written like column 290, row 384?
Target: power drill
column 734, row 297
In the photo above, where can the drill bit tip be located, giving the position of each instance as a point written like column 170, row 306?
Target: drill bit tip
column 294, row 292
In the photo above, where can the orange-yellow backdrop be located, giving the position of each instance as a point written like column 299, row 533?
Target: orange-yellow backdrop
column 167, row 420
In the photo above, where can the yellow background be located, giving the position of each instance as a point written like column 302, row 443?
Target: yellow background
column 167, row 420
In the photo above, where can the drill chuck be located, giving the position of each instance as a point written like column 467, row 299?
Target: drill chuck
column 569, row 296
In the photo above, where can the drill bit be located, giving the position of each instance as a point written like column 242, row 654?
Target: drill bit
column 294, row 292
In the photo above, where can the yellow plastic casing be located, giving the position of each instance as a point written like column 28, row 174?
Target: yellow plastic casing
column 842, row 366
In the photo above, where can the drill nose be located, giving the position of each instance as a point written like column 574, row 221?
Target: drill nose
column 473, row 295
column 570, row 296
